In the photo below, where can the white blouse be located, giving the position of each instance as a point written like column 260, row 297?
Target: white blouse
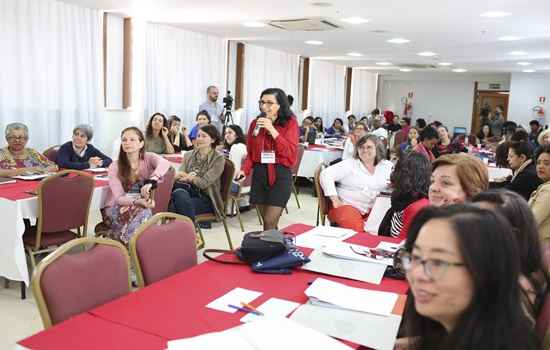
column 237, row 154
column 354, row 185
column 349, row 147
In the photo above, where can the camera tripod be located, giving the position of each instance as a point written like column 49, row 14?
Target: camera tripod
column 227, row 118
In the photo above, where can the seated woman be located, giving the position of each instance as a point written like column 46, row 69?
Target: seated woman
column 308, row 131
column 234, row 147
column 412, row 141
column 353, row 184
column 456, row 178
column 485, row 135
column 410, row 181
column 533, row 278
column 198, row 178
column 202, row 118
column 318, row 124
column 359, row 131
column 463, row 267
column 156, row 135
column 445, row 144
column 524, row 180
column 79, row 153
column 16, row 159
column 180, row 140
column 540, row 199
column 337, row 128
column 426, row 143
column 131, row 177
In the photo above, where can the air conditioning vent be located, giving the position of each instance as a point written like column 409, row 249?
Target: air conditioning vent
column 304, row 24
column 416, row 66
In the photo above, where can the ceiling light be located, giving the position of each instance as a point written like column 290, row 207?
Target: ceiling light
column 460, row 70
column 384, row 63
column 314, row 42
column 398, row 41
column 355, row 20
column 405, row 69
column 509, row 38
column 355, row 54
column 445, row 64
column 528, row 71
column 254, row 24
column 495, row 14
column 427, row 54
column 321, row 4
column 524, row 63
column 517, row 53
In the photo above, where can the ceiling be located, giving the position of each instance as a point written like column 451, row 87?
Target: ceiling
column 452, row 29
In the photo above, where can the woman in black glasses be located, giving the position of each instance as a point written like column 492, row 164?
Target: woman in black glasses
column 463, row 267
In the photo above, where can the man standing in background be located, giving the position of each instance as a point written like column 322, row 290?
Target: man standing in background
column 214, row 109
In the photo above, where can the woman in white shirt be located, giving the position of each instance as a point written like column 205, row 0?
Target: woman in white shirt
column 353, row 184
column 234, row 147
column 359, row 130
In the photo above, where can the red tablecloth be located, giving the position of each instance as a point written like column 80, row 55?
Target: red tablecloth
column 87, row 332
column 21, row 189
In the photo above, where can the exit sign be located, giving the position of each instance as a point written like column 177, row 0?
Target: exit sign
column 494, row 86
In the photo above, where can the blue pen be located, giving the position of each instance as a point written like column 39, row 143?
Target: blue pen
column 244, row 309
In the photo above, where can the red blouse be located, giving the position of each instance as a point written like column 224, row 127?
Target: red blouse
column 285, row 147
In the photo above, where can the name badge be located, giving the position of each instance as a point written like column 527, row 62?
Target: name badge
column 268, row 157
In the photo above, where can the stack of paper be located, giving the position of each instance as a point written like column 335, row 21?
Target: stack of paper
column 323, row 235
column 354, row 252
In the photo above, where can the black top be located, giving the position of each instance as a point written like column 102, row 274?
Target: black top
column 525, row 182
column 182, row 146
column 68, row 159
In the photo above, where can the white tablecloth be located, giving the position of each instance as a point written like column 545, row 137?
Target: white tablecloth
column 13, row 263
column 312, row 159
column 496, row 173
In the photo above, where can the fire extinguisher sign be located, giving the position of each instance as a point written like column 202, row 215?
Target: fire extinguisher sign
column 542, row 99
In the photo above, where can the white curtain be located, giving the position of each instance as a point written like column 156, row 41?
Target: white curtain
column 51, row 68
column 266, row 68
column 179, row 66
column 363, row 92
column 327, row 90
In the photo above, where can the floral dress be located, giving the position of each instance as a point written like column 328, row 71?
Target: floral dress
column 31, row 158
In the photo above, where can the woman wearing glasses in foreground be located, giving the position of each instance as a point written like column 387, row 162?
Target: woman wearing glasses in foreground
column 463, row 266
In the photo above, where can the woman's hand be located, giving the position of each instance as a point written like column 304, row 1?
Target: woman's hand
column 164, row 132
column 240, row 176
column 95, row 162
column 145, row 203
column 184, row 131
column 265, row 123
column 146, row 191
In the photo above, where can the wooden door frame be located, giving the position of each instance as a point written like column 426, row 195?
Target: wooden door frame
column 475, row 107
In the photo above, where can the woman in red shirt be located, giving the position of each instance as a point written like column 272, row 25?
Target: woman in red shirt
column 272, row 146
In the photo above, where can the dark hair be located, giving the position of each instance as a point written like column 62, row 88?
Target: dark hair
column 339, row 120
column 284, row 114
column 174, row 118
column 240, row 138
column 520, row 135
column 501, row 155
column 522, row 148
column 494, row 319
column 407, row 120
column 319, row 128
column 378, row 145
column 375, row 111
column 480, row 134
column 149, row 129
column 411, row 176
column 513, row 207
column 428, row 133
column 290, row 100
column 436, row 124
column 308, row 118
column 352, row 116
column 124, row 167
column 213, row 132
column 534, row 122
column 421, row 123
column 542, row 149
column 206, row 114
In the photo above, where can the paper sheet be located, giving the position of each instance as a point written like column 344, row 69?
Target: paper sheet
column 217, row 340
column 358, row 299
column 390, row 247
column 234, row 297
column 31, row 177
column 273, row 307
column 323, row 235
column 96, row 170
column 344, row 250
column 377, row 213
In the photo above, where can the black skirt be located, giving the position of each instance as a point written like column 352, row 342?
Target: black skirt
column 263, row 194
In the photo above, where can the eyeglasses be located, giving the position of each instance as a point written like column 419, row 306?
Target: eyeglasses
column 433, row 268
column 268, row 103
column 17, row 138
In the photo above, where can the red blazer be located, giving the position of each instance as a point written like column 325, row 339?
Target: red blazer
column 410, row 213
column 285, row 147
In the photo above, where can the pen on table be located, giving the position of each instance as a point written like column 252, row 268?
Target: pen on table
column 245, row 309
column 248, row 306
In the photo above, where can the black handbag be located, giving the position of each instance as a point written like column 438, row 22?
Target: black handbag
column 261, row 245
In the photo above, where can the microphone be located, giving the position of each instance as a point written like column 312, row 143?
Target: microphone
column 257, row 128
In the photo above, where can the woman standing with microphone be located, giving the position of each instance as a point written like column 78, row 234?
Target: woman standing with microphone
column 272, row 146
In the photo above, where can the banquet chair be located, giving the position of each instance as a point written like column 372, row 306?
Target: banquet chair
column 322, row 201
column 295, row 168
column 235, row 198
column 63, row 206
column 51, row 153
column 220, row 202
column 162, row 246
column 78, row 276
column 163, row 191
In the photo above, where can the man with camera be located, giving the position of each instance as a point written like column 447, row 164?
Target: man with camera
column 214, row 109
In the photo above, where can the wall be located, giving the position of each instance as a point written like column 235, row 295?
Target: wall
column 525, row 90
column 436, row 96
column 114, row 122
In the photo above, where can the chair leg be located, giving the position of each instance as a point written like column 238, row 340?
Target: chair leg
column 318, row 214
column 33, row 260
column 259, row 216
column 200, row 244
column 227, row 234
column 238, row 214
column 23, row 290
column 295, row 195
column 286, row 209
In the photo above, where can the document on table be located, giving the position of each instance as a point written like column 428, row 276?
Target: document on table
column 370, row 330
column 322, row 235
column 352, row 269
column 377, row 213
column 96, row 170
column 350, row 251
column 31, row 177
column 273, row 307
column 234, row 297
column 390, row 247
column 350, row 298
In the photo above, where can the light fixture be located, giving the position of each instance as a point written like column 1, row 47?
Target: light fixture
column 355, row 20
column 524, row 63
column 460, row 70
column 398, row 41
column 427, row 54
column 384, row 63
column 314, row 42
column 355, row 54
column 509, row 38
column 528, row 71
column 495, row 14
column 405, row 69
column 517, row 53
column 253, row 24
column 445, row 64
column 321, row 4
